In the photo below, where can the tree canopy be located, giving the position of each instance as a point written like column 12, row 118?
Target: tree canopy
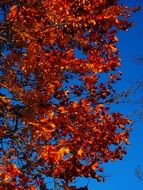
column 59, row 62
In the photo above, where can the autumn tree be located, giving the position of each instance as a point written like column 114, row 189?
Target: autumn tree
column 59, row 61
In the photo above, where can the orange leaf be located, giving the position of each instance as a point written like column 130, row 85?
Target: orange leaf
column 94, row 166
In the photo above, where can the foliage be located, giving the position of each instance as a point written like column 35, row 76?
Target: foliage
column 55, row 106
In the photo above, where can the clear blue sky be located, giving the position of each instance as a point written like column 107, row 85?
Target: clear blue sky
column 122, row 173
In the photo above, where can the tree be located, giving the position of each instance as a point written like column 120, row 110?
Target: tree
column 139, row 173
column 55, row 114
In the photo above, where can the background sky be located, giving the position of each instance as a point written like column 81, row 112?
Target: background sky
column 122, row 173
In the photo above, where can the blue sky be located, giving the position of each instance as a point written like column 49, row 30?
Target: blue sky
column 122, row 173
